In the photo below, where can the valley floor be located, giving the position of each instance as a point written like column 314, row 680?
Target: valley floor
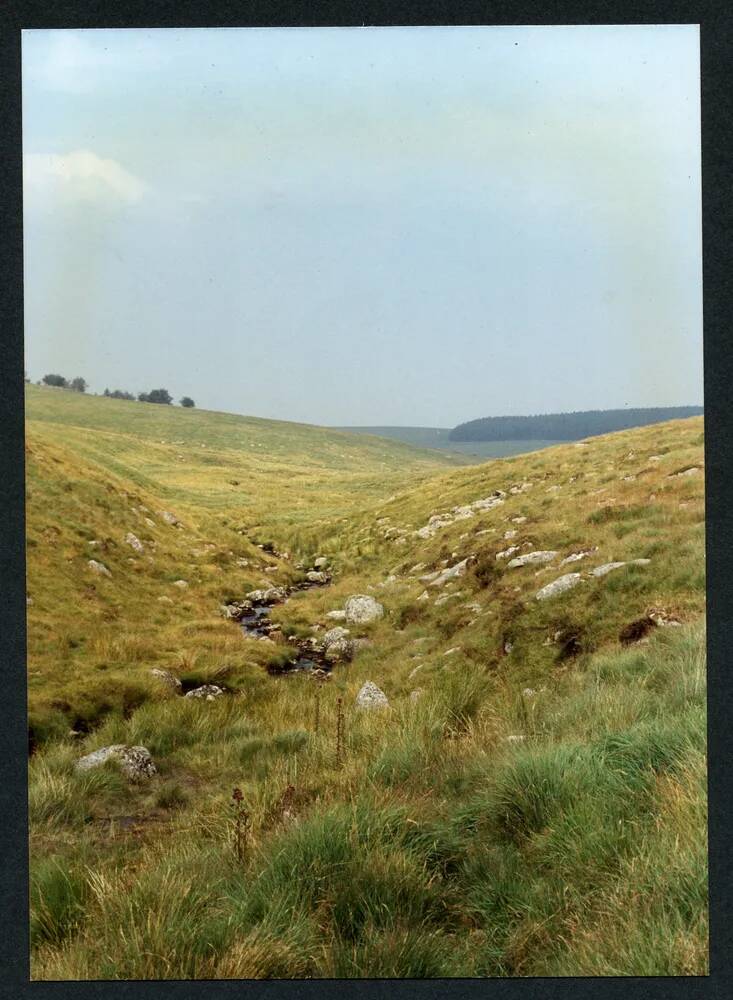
column 530, row 802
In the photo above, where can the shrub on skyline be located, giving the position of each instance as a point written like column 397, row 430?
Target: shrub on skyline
column 156, row 396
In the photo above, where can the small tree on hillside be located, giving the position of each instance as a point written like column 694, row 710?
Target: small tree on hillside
column 56, row 380
column 156, row 396
column 79, row 384
column 187, row 401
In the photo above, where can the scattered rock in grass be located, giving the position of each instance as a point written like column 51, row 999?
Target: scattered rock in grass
column 529, row 692
column 518, row 520
column 134, row 542
column 337, row 616
column 267, row 595
column 169, row 518
column 181, row 584
column 316, row 576
column 444, row 598
column 577, row 556
column 361, row 609
column 452, row 573
column 371, row 697
column 507, row 553
column 662, row 617
column 452, row 651
column 425, row 596
column 337, row 644
column 559, row 586
column 134, row 762
column 98, row 567
column 169, row 679
column 415, row 670
column 530, row 558
column 320, row 562
column 209, row 692
column 508, row 535
column 608, row 567
column 165, row 600
column 692, row 471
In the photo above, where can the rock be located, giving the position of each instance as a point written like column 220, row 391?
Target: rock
column 181, row 584
column 508, row 535
column 558, row 586
column 169, row 679
column 414, row 671
column 135, row 762
column 371, row 697
column 508, row 647
column 94, row 542
column 165, row 600
column 452, row 573
column 577, row 556
column 98, row 567
column 514, row 739
column 444, row 598
column 452, row 651
column 417, row 568
column 360, row 609
column 267, row 595
column 518, row 520
column 209, row 692
column 685, row 472
column 134, row 542
column 530, row 558
column 606, row 568
column 337, row 644
column 529, row 692
column 425, row 596
column 150, row 522
column 337, row 616
column 507, row 552
column 320, row 563
column 316, row 576
column 169, row 518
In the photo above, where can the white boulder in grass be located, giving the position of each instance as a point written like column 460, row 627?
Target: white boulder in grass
column 98, row 567
column 209, row 692
column 166, row 677
column 134, row 542
column 530, row 558
column 361, row 609
column 371, row 697
column 134, row 762
column 559, row 586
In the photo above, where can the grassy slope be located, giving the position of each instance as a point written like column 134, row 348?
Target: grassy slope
column 439, row 848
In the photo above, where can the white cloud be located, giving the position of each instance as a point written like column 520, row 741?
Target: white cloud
column 80, row 175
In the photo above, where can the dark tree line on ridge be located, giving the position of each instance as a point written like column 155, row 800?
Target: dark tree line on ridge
column 80, row 385
column 567, row 426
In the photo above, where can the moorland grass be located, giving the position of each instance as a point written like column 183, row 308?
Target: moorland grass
column 539, row 809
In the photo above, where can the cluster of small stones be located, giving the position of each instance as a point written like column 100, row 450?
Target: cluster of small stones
column 460, row 513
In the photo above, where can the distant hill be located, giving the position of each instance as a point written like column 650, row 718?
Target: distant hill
column 567, row 426
column 439, row 438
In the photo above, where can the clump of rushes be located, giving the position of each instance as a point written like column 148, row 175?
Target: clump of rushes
column 317, row 713
column 241, row 825
column 339, row 731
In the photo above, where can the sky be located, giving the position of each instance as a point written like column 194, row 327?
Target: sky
column 408, row 226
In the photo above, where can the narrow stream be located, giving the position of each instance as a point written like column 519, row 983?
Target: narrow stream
column 257, row 623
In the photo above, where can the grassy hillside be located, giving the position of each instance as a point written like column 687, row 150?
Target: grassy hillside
column 537, row 808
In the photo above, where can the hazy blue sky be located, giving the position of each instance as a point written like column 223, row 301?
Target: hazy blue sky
column 367, row 226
